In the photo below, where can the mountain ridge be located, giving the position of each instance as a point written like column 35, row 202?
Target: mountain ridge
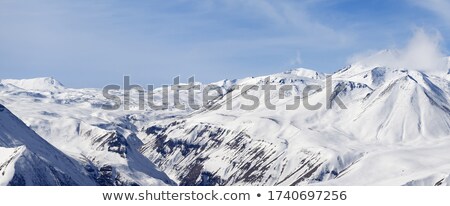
column 48, row 165
column 389, row 111
column 41, row 83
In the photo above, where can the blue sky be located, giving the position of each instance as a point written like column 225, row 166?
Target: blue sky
column 95, row 43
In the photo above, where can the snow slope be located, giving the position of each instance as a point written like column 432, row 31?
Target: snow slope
column 102, row 141
column 27, row 159
column 388, row 110
column 394, row 131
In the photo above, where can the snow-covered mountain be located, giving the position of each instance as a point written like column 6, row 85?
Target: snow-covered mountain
column 395, row 130
column 396, row 115
column 102, row 142
column 27, row 159
column 43, row 84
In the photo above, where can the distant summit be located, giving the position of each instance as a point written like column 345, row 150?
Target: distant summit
column 302, row 72
column 42, row 84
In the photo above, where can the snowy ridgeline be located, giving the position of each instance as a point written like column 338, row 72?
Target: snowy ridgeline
column 395, row 131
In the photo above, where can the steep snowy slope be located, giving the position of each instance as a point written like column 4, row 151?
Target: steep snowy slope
column 100, row 140
column 386, row 108
column 405, row 105
column 426, row 164
column 27, row 159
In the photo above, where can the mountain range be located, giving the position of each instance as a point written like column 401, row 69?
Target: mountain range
column 394, row 130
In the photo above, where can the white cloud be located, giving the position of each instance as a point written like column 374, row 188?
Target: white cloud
column 423, row 52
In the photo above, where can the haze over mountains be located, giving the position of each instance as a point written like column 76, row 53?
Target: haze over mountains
column 395, row 131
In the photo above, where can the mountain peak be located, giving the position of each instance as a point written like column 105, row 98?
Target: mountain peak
column 430, row 63
column 42, row 83
column 303, row 72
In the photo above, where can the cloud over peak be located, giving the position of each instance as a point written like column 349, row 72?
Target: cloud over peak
column 423, row 52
